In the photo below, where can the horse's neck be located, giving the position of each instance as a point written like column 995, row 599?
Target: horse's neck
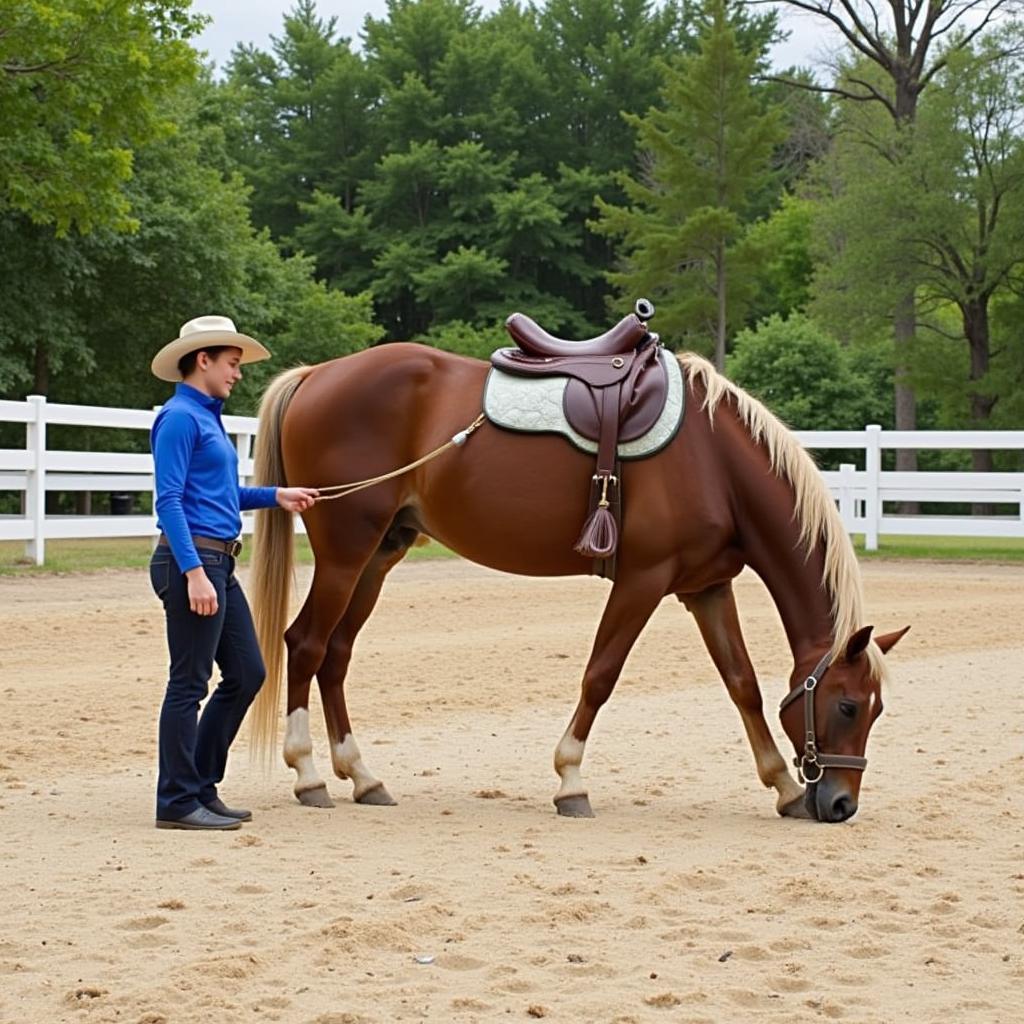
column 773, row 549
column 802, row 603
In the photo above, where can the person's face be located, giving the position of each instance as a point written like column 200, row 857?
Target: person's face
column 219, row 374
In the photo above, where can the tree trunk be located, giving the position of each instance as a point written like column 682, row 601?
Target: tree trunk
column 905, row 316
column 41, row 370
column 976, row 330
column 720, row 292
column 905, row 399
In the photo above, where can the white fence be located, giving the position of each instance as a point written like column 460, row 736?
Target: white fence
column 37, row 468
column 861, row 494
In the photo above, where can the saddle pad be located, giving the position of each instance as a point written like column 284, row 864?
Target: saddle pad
column 534, row 405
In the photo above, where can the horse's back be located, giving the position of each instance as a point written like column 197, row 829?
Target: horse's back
column 370, row 385
column 375, row 401
column 512, row 501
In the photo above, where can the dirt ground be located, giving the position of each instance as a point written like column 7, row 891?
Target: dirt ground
column 685, row 900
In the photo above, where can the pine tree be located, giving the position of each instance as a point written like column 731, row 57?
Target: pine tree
column 706, row 158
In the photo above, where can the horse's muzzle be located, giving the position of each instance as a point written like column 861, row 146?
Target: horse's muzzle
column 831, row 803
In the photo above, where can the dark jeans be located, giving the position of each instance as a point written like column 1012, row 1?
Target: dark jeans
column 194, row 749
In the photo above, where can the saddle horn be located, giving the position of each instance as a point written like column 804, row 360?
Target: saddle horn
column 644, row 309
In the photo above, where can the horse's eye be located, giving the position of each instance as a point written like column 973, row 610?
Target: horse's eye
column 848, row 708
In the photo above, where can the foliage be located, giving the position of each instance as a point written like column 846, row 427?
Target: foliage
column 86, row 313
column 684, row 230
column 782, row 282
column 472, row 145
column 467, row 340
column 938, row 208
column 81, row 86
column 559, row 158
column 807, row 378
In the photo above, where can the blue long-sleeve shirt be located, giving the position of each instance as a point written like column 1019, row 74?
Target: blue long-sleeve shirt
column 196, row 467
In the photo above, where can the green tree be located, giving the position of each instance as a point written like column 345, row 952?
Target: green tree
column 81, row 86
column 939, row 209
column 301, row 119
column 708, row 151
column 786, row 270
column 966, row 193
column 897, row 48
column 464, row 281
column 807, row 378
column 84, row 314
column 467, row 339
column 44, row 279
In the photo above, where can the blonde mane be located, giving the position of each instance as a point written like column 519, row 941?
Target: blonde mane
column 814, row 510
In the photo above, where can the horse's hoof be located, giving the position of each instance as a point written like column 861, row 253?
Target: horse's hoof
column 377, row 797
column 315, row 797
column 575, row 806
column 796, row 809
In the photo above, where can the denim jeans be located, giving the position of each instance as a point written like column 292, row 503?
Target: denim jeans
column 194, row 748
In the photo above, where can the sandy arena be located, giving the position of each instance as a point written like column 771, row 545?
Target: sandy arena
column 685, row 900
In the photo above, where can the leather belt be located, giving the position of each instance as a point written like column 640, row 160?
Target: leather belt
column 226, row 547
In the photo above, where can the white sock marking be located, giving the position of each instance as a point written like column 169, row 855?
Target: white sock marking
column 298, row 751
column 348, row 764
column 568, row 758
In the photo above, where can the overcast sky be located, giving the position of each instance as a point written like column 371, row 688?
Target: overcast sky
column 254, row 21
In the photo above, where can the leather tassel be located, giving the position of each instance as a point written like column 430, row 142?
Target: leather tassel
column 600, row 534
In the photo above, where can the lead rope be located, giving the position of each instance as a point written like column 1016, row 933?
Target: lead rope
column 345, row 489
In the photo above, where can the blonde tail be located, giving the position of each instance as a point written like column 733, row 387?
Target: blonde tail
column 271, row 570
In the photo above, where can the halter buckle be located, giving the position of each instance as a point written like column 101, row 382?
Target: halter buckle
column 801, row 769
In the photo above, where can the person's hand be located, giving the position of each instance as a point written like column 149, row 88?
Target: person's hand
column 296, row 499
column 202, row 596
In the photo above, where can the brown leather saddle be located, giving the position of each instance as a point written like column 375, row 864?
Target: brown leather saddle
column 616, row 390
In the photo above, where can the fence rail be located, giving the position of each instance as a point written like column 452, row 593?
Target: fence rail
column 862, row 494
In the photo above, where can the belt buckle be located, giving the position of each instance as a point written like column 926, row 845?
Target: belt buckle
column 234, row 548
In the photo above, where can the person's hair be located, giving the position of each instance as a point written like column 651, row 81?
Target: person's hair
column 187, row 363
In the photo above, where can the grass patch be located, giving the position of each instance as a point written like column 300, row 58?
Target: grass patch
column 78, row 555
column 134, row 552
column 959, row 549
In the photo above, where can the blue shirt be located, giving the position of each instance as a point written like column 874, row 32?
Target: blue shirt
column 196, row 466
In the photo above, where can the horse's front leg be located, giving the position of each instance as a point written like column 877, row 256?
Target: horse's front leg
column 719, row 624
column 629, row 607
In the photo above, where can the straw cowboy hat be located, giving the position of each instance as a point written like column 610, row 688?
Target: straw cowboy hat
column 204, row 332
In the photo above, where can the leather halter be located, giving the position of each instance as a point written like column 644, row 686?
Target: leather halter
column 812, row 757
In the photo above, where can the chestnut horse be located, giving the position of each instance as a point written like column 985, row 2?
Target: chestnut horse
column 733, row 488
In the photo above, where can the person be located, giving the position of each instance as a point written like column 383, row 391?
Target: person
column 198, row 505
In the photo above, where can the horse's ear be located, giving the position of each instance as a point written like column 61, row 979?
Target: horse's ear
column 889, row 640
column 857, row 644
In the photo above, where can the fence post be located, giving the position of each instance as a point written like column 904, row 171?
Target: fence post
column 847, row 510
column 873, row 470
column 35, row 492
column 156, row 532
column 243, row 445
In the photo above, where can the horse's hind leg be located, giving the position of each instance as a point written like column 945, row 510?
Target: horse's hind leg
column 309, row 788
column 345, row 756
column 341, row 559
column 719, row 624
column 629, row 607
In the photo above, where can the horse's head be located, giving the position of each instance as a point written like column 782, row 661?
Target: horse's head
column 828, row 718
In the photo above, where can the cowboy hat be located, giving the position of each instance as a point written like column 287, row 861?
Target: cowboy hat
column 204, row 332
